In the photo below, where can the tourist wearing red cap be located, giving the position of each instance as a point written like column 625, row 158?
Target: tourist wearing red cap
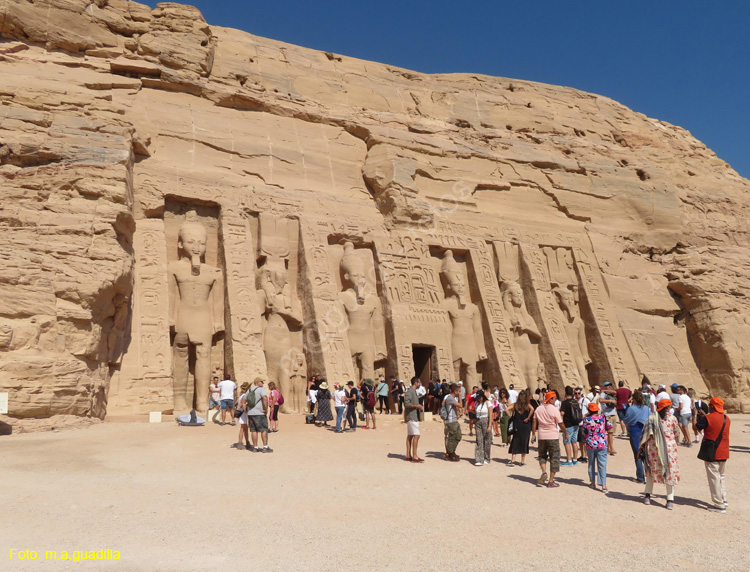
column 715, row 427
column 548, row 420
column 658, row 451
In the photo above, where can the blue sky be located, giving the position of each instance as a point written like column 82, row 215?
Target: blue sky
column 686, row 62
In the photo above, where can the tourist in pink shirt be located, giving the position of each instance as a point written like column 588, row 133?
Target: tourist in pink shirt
column 548, row 422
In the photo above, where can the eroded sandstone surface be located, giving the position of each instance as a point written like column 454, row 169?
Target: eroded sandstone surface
column 358, row 219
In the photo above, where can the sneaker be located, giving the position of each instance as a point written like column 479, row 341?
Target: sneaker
column 486, row 462
column 717, row 509
column 267, row 450
column 478, row 464
column 255, row 449
column 566, row 464
column 510, row 463
column 670, row 505
column 582, row 460
column 647, row 499
column 575, row 462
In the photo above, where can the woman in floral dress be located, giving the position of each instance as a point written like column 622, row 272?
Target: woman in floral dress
column 658, row 451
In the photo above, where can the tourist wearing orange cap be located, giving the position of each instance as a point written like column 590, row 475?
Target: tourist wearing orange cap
column 715, row 427
column 596, row 428
column 548, row 420
column 658, row 451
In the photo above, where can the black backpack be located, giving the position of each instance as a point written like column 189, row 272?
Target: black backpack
column 575, row 412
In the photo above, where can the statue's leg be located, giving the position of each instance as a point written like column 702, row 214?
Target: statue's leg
column 181, row 370
column 472, row 377
column 202, row 375
column 367, row 362
column 456, row 371
column 285, row 384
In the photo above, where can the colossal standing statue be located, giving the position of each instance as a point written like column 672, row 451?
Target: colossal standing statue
column 196, row 312
column 364, row 314
column 575, row 329
column 467, row 341
column 526, row 336
column 275, row 300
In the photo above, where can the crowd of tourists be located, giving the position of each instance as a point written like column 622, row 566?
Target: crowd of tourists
column 653, row 421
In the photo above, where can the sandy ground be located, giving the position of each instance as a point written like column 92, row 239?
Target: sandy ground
column 171, row 498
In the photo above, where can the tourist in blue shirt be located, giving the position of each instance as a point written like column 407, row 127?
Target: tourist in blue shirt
column 634, row 420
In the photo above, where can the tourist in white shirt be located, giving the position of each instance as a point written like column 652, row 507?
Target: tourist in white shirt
column 226, row 393
column 339, row 402
column 685, row 414
column 512, row 395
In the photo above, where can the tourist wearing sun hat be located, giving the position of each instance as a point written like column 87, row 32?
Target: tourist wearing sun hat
column 658, row 450
column 714, row 425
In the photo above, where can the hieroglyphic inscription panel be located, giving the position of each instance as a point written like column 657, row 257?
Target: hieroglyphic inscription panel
column 619, row 359
column 501, row 348
column 559, row 364
column 325, row 335
column 412, row 292
column 244, row 340
column 145, row 380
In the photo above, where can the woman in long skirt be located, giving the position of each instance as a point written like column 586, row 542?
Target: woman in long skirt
column 521, row 413
column 635, row 420
column 659, row 451
column 324, row 404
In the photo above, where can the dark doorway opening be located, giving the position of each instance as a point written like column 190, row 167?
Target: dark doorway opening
column 424, row 362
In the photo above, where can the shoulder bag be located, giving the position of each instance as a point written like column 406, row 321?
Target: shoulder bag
column 709, row 446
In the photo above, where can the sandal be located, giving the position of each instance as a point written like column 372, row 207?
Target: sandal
column 553, row 485
column 407, row 458
column 592, row 486
column 417, row 460
column 542, row 480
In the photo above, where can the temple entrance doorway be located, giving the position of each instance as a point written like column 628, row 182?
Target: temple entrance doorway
column 425, row 362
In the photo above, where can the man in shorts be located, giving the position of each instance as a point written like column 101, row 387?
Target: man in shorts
column 369, row 397
column 549, row 423
column 412, row 414
column 257, row 416
column 622, row 396
column 572, row 416
column 214, row 399
column 685, row 416
column 226, row 394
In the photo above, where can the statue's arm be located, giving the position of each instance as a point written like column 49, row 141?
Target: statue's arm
column 290, row 312
column 582, row 341
column 217, row 306
column 531, row 328
column 174, row 293
column 478, row 336
column 379, row 329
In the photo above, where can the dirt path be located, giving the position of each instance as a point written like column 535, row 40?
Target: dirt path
column 171, row 498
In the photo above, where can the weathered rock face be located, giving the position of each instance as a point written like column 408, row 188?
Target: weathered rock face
column 356, row 220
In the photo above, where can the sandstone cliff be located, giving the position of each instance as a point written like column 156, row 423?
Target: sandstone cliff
column 116, row 120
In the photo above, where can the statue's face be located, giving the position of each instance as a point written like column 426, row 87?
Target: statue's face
column 567, row 299
column 359, row 281
column 516, row 295
column 456, row 283
column 193, row 243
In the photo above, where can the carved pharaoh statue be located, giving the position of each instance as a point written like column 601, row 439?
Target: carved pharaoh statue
column 196, row 312
column 275, row 299
column 575, row 329
column 526, row 336
column 467, row 341
column 364, row 314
